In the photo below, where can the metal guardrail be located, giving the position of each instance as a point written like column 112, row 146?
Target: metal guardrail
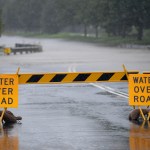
column 1, row 50
column 23, row 48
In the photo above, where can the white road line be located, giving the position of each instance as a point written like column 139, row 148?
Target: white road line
column 118, row 93
column 102, row 87
column 71, row 68
column 111, row 89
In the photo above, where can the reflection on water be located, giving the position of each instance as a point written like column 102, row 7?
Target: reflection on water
column 140, row 136
column 8, row 141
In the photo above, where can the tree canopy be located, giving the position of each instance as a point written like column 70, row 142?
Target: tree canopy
column 0, row 23
column 116, row 17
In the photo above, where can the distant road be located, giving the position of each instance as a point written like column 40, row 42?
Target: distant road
column 88, row 57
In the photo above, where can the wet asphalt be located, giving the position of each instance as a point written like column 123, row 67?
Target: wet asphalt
column 73, row 116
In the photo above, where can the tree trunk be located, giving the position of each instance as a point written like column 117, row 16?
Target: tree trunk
column 123, row 33
column 140, row 32
column 96, row 31
column 85, row 30
column 140, row 29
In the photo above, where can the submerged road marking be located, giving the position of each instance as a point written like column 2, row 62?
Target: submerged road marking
column 118, row 93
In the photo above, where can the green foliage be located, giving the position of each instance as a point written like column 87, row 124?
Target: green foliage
column 52, row 21
column 0, row 22
column 23, row 15
column 116, row 17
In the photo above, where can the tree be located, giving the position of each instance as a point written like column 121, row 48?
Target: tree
column 0, row 22
column 10, row 16
column 23, row 15
column 140, row 12
column 69, row 10
column 147, row 14
column 96, row 15
column 116, row 19
column 83, row 14
column 2, row 2
column 50, row 22
column 29, row 17
column 137, row 13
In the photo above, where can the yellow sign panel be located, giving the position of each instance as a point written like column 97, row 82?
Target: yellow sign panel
column 7, row 50
column 139, row 89
column 8, row 91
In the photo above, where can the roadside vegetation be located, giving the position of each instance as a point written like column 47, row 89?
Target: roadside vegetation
column 103, row 38
column 0, row 22
column 110, row 22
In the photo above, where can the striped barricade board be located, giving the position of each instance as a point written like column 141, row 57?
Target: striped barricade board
column 77, row 77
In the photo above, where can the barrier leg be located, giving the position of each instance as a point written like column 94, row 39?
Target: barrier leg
column 18, row 70
column 126, row 72
column 148, row 124
column 141, row 112
column 148, row 116
column 143, row 124
column 2, row 115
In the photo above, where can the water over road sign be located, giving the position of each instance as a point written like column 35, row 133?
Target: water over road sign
column 139, row 89
column 8, row 91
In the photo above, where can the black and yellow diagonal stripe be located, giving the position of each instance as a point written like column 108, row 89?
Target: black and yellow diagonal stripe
column 146, row 72
column 85, row 77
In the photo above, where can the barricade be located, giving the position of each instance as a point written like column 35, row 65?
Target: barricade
column 58, row 78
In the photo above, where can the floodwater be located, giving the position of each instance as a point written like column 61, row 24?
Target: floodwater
column 73, row 116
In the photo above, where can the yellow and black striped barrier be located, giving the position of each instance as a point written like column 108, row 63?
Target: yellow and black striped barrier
column 145, row 72
column 77, row 77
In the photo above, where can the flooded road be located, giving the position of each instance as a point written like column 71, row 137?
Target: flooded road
column 73, row 116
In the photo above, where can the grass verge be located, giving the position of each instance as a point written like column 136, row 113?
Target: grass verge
column 102, row 40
